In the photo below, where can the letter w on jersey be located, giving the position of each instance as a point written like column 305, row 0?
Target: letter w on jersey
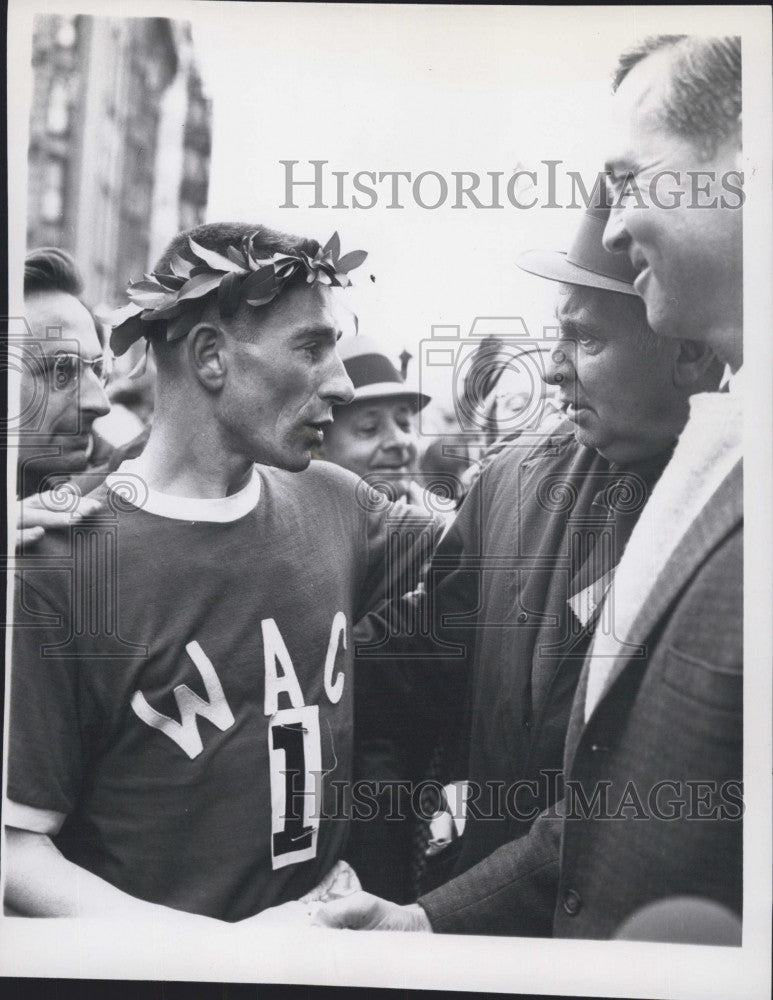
column 186, row 733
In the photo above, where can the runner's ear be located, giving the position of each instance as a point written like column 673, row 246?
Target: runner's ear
column 208, row 356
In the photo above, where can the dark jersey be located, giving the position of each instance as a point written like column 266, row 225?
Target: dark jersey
column 182, row 689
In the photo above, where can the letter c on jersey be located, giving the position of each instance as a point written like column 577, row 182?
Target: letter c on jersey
column 337, row 635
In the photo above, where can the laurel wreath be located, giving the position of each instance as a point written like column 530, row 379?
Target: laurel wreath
column 178, row 298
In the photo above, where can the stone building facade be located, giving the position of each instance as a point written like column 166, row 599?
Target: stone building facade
column 120, row 135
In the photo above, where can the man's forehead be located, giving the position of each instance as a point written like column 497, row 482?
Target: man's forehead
column 58, row 321
column 636, row 108
column 593, row 307
column 381, row 405
column 570, row 310
column 328, row 307
column 645, row 86
column 301, row 310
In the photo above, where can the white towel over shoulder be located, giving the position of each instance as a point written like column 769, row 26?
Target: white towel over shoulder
column 708, row 449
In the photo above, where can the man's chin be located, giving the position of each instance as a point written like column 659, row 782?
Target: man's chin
column 288, row 463
column 663, row 316
column 403, row 486
column 583, row 436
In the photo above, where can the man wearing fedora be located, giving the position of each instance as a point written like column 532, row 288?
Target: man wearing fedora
column 515, row 588
column 375, row 436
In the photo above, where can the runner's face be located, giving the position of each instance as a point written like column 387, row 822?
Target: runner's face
column 285, row 375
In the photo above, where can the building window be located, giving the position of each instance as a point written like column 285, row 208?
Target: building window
column 194, row 166
column 58, row 111
column 66, row 34
column 197, row 113
column 52, row 202
column 190, row 215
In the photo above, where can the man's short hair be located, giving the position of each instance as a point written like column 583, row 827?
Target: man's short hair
column 218, row 236
column 703, row 98
column 49, row 269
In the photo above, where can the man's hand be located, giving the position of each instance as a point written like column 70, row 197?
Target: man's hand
column 43, row 511
column 364, row 912
column 340, row 881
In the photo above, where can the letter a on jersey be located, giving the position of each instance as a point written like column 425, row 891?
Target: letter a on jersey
column 186, row 734
column 279, row 670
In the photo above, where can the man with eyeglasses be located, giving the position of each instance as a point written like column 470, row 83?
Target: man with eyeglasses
column 62, row 387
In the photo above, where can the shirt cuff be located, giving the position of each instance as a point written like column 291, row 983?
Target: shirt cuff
column 30, row 818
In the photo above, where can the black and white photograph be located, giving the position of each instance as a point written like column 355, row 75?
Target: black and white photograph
column 389, row 387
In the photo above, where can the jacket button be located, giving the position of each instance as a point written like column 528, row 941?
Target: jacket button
column 572, row 902
column 599, row 748
column 523, row 616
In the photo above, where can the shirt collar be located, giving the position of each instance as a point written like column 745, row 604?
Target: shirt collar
column 127, row 483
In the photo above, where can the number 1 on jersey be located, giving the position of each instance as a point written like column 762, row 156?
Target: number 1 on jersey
column 295, row 762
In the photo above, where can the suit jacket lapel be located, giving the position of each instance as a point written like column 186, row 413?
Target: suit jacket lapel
column 720, row 515
column 576, row 718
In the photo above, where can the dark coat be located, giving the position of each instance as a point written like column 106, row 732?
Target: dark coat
column 538, row 525
column 673, row 714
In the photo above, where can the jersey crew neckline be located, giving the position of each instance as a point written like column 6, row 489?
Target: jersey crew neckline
column 127, row 483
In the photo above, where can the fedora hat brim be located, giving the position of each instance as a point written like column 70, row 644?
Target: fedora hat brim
column 390, row 390
column 555, row 266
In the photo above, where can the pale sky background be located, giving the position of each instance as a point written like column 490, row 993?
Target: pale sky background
column 413, row 89
column 400, row 88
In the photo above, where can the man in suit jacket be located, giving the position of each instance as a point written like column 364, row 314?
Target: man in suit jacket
column 653, row 757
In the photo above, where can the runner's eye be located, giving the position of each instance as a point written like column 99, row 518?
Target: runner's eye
column 313, row 350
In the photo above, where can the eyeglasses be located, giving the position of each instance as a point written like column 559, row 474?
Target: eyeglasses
column 66, row 370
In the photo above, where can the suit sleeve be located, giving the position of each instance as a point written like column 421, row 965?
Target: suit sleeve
column 412, row 654
column 399, row 540
column 407, row 689
column 511, row 892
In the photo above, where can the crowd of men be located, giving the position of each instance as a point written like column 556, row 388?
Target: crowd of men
column 238, row 657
